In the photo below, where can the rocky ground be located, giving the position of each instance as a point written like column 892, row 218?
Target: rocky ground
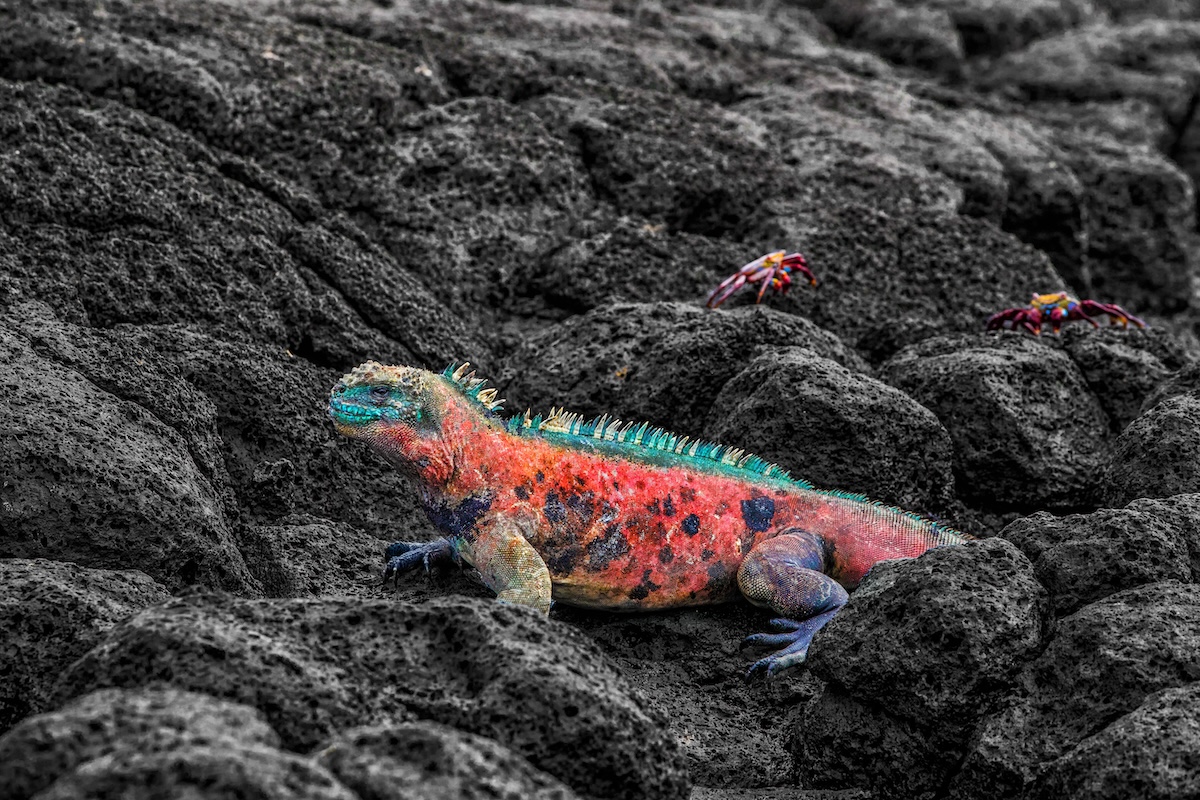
column 210, row 210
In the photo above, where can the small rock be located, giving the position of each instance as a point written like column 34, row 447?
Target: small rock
column 1157, row 455
column 316, row 667
column 1084, row 557
column 920, row 652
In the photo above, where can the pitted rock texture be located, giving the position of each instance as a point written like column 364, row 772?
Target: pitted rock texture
column 1158, row 455
column 1085, row 557
column 428, row 760
column 210, row 211
column 316, row 667
column 51, row 613
column 1102, row 662
column 93, row 478
column 838, row 429
column 50, row 746
column 662, row 362
column 1026, row 429
column 922, row 651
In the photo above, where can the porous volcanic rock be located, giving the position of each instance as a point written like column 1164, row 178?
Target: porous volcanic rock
column 838, row 429
column 317, row 667
column 428, row 760
column 1103, row 662
column 84, row 469
column 662, row 362
column 209, row 211
column 1083, row 557
column 1158, row 455
column 1164, row 763
column 960, row 623
column 126, row 722
column 1026, row 429
column 51, row 613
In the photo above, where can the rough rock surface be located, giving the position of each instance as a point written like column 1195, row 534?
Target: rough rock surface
column 211, row 210
column 960, row 622
column 316, row 667
column 1102, row 662
column 1027, row 431
column 51, row 613
column 1084, row 557
column 425, row 759
column 836, row 429
column 1158, row 455
column 45, row 748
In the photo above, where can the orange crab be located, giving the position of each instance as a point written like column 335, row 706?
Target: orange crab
column 773, row 271
column 1057, row 308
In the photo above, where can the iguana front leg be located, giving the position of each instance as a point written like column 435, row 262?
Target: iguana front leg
column 786, row 574
column 507, row 562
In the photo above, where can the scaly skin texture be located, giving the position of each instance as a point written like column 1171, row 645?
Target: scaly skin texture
column 609, row 516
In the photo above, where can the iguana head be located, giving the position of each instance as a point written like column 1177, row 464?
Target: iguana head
column 399, row 411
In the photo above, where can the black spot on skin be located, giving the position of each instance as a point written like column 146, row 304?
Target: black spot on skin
column 718, row 578
column 522, row 492
column 553, row 508
column 579, row 479
column 583, row 507
column 665, row 555
column 602, row 551
column 541, row 476
column 757, row 513
column 706, row 554
column 457, row 520
column 653, row 508
column 644, row 588
column 690, row 525
column 687, row 494
column 669, row 506
column 563, row 562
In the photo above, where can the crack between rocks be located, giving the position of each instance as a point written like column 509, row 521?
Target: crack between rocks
column 1181, row 128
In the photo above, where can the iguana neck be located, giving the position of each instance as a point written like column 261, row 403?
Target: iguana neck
column 444, row 463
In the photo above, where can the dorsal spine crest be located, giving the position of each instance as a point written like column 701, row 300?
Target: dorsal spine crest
column 472, row 388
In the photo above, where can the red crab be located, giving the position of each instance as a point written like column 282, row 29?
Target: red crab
column 774, row 270
column 1056, row 309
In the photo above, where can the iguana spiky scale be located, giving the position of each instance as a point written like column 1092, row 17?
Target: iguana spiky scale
column 612, row 515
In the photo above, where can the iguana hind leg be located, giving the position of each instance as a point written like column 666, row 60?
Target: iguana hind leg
column 784, row 574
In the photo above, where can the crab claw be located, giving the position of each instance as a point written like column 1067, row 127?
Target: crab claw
column 1028, row 318
column 1116, row 314
column 774, row 271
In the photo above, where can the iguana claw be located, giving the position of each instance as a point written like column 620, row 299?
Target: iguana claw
column 406, row 556
column 793, row 641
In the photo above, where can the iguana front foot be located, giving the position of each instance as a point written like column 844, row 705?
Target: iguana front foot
column 793, row 640
column 402, row 557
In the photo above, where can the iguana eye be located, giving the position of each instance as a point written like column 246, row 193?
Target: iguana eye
column 380, row 392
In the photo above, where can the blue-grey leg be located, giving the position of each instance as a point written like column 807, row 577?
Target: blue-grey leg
column 785, row 574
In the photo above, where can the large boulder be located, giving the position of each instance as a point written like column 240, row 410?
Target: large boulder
column 318, row 667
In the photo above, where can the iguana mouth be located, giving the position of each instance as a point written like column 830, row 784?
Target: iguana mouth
column 351, row 413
